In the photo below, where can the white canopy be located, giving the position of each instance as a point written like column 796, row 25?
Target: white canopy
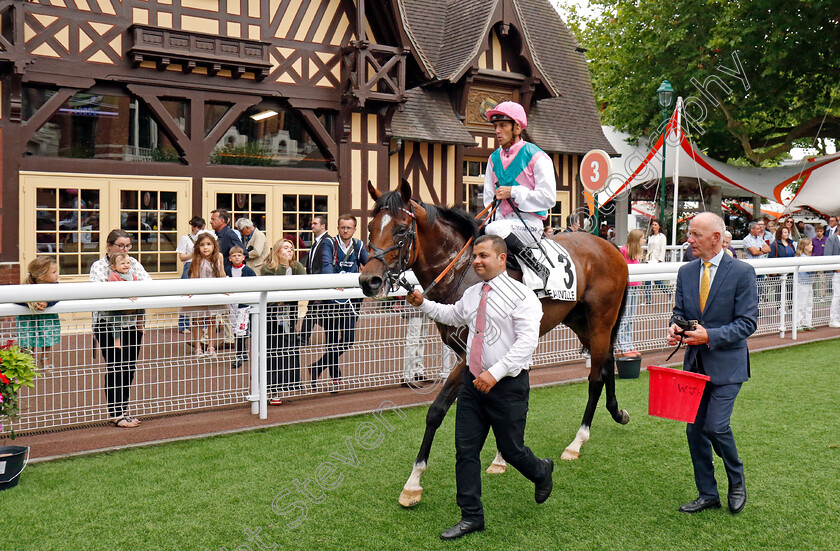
column 820, row 189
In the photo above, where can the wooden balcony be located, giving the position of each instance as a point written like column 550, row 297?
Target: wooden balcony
column 370, row 72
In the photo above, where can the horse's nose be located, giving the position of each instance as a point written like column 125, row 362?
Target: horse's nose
column 371, row 284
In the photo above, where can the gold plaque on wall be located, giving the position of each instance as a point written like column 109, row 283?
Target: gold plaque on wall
column 479, row 100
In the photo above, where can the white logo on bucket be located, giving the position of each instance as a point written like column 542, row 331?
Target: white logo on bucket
column 2, row 467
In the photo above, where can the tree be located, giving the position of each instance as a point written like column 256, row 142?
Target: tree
column 758, row 76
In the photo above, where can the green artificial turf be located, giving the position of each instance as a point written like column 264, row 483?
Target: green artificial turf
column 622, row 493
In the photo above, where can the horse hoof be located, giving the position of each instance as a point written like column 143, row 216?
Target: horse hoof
column 625, row 417
column 495, row 468
column 570, row 455
column 410, row 498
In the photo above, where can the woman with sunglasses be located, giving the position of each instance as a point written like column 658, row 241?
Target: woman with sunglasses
column 120, row 362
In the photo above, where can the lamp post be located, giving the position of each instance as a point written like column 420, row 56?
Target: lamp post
column 665, row 96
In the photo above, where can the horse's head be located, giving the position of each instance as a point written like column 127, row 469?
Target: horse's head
column 392, row 240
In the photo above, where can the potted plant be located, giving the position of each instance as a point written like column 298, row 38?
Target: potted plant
column 17, row 369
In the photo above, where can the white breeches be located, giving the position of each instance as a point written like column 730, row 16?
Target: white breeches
column 526, row 235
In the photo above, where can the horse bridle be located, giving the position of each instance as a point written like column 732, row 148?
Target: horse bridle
column 406, row 244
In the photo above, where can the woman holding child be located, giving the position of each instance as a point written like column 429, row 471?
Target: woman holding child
column 120, row 359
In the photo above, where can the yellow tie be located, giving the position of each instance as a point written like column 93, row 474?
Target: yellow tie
column 705, row 283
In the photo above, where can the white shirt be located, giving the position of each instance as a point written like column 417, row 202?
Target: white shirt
column 512, row 331
column 754, row 241
column 715, row 260
column 656, row 248
column 542, row 197
column 186, row 244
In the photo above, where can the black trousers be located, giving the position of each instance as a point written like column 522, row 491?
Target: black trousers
column 339, row 324
column 120, row 364
column 505, row 409
column 314, row 313
column 283, row 357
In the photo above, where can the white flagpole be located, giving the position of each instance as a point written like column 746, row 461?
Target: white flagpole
column 676, row 177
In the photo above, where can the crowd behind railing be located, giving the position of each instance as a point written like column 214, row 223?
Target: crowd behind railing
column 86, row 378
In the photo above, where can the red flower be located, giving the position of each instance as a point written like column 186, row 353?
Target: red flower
column 8, row 344
column 3, row 379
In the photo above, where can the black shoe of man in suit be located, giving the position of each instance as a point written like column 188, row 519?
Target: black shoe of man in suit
column 700, row 504
column 737, row 497
column 463, row 528
column 542, row 489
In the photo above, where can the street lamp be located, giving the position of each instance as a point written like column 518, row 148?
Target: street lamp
column 665, row 96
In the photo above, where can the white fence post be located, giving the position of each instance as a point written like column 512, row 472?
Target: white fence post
column 262, row 360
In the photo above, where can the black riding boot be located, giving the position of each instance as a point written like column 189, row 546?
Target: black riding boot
column 526, row 257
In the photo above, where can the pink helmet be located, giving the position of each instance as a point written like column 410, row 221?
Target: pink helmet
column 508, row 111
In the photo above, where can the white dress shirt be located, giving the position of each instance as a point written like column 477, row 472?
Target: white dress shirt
column 512, row 331
column 656, row 248
column 715, row 260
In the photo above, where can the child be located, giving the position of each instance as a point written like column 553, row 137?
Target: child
column 239, row 315
column 206, row 262
column 117, row 320
column 40, row 331
column 805, row 289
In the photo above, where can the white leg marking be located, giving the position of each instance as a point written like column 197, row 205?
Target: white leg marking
column 572, row 451
column 413, row 482
column 498, row 466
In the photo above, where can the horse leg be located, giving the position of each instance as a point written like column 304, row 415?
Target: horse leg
column 498, row 466
column 412, row 492
column 608, row 375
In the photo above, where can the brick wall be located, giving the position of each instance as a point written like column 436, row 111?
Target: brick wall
column 9, row 273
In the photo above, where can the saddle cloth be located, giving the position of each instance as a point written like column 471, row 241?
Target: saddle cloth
column 562, row 281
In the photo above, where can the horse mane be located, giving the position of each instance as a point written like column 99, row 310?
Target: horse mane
column 459, row 219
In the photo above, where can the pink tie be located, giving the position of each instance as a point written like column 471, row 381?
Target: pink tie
column 477, row 345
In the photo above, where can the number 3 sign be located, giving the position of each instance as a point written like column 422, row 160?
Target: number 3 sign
column 594, row 170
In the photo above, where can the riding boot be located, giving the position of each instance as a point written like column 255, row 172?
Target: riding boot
column 526, row 257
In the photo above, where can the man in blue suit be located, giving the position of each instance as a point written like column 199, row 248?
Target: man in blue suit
column 717, row 347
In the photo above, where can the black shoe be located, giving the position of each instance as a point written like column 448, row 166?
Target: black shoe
column 542, row 489
column 700, row 504
column 463, row 528
column 737, row 497
column 526, row 258
column 237, row 363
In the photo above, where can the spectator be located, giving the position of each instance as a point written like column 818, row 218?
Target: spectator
column 239, row 314
column 832, row 248
column 121, row 363
column 548, row 231
column 227, row 238
column 793, row 233
column 831, row 230
column 805, row 230
column 687, row 255
column 38, row 331
column 206, row 262
column 255, row 242
column 116, row 320
column 185, row 250
column 805, row 290
column 727, row 244
column 572, row 223
column 770, row 232
column 314, row 265
column 819, row 250
column 342, row 254
column 655, row 251
column 633, row 254
column 764, row 234
column 283, row 355
column 782, row 247
column 754, row 244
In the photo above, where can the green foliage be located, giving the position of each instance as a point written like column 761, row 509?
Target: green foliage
column 622, row 493
column 790, row 57
column 17, row 369
column 248, row 155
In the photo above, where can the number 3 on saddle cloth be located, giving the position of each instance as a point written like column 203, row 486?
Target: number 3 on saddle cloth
column 562, row 281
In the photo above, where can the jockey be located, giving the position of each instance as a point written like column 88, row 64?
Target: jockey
column 521, row 176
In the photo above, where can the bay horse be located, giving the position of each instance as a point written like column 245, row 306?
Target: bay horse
column 407, row 234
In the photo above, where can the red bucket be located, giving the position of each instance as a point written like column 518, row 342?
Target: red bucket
column 674, row 393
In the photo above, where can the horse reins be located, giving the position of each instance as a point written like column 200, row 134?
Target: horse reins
column 495, row 205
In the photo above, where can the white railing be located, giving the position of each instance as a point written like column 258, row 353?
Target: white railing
column 393, row 343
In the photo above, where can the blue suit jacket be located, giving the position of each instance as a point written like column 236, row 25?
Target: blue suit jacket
column 731, row 315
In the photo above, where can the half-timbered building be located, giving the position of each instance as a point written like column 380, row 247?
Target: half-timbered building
column 138, row 114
